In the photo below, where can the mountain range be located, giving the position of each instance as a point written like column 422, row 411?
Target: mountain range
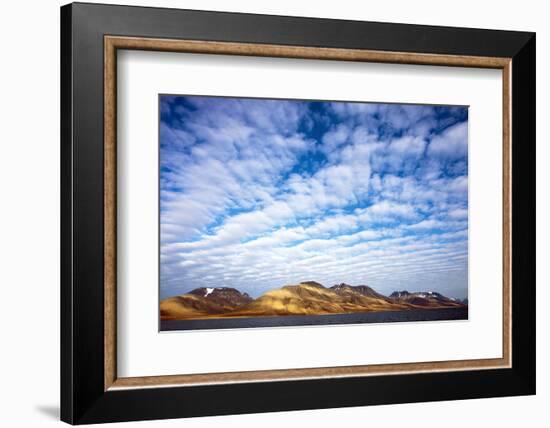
column 305, row 298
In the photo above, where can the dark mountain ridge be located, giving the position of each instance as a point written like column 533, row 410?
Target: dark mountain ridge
column 424, row 298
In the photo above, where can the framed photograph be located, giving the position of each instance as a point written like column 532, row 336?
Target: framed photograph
column 273, row 213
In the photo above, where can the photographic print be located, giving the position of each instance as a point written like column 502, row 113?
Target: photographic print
column 279, row 212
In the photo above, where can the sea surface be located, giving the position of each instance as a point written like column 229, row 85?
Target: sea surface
column 443, row 314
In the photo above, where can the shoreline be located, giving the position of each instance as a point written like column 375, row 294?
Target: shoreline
column 371, row 317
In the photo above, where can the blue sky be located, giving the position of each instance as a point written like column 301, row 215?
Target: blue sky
column 257, row 193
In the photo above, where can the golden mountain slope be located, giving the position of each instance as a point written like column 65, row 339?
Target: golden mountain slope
column 313, row 299
column 203, row 303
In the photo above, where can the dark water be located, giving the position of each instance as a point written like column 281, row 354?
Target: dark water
column 443, row 314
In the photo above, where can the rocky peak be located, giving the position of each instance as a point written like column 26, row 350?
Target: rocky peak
column 399, row 294
column 364, row 290
column 221, row 293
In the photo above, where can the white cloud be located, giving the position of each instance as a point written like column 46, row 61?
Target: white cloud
column 427, row 224
column 336, row 224
column 458, row 213
column 335, row 137
column 452, row 143
column 387, row 210
column 407, row 146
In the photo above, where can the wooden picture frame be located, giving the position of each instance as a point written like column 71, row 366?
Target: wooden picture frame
column 91, row 390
